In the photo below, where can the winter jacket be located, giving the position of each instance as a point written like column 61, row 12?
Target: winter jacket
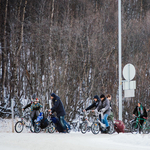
column 140, row 111
column 94, row 104
column 58, row 106
column 104, row 106
column 36, row 106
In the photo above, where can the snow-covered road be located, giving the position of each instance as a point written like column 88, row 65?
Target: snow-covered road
column 73, row 141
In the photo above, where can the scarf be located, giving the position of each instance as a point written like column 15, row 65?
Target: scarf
column 140, row 110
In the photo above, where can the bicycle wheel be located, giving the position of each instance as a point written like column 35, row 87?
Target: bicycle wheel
column 84, row 127
column 134, row 127
column 19, row 126
column 95, row 128
column 51, row 127
column 111, row 124
column 31, row 128
column 37, row 129
column 146, row 128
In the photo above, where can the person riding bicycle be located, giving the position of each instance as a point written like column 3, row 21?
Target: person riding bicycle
column 59, row 109
column 29, row 105
column 140, row 112
column 104, row 107
column 35, row 108
column 94, row 104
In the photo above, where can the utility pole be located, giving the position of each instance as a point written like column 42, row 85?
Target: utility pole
column 120, row 61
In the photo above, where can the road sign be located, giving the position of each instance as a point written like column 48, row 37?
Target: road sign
column 127, row 85
column 129, row 72
column 129, row 93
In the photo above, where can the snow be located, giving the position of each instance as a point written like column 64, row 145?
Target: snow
column 71, row 141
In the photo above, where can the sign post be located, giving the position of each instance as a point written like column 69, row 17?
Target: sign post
column 128, row 85
column 12, row 110
column 120, row 61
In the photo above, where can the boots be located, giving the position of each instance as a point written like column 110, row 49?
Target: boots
column 107, row 129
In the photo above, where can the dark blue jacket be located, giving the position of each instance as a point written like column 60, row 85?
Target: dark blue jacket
column 94, row 104
column 58, row 106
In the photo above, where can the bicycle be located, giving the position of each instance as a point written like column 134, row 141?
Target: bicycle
column 86, row 125
column 135, row 125
column 98, row 126
column 146, row 127
column 25, row 121
column 50, row 128
column 128, row 125
column 76, row 126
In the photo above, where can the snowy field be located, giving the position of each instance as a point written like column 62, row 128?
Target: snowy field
column 71, row 141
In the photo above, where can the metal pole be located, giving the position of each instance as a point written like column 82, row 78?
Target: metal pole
column 120, row 68
column 12, row 110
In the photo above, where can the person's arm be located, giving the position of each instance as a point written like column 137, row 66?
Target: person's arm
column 99, row 106
column 28, row 105
column 134, row 111
column 56, row 103
column 40, row 105
column 90, row 107
column 145, row 113
column 106, row 107
column 32, row 107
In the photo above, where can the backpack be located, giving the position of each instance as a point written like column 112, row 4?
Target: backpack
column 119, row 126
column 44, row 123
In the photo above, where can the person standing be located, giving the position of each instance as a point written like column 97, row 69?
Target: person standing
column 59, row 109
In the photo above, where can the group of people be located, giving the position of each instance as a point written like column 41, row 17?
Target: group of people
column 57, row 107
column 102, row 104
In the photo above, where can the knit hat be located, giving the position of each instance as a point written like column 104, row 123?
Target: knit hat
column 53, row 95
column 102, row 96
column 33, row 96
column 96, row 97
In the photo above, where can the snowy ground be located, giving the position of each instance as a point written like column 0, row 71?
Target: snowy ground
column 72, row 141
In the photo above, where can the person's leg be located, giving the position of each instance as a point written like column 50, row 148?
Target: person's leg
column 141, row 123
column 100, row 118
column 61, row 119
column 32, row 117
column 105, row 120
column 36, row 113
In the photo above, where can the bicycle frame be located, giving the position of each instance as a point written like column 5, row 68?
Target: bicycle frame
column 138, row 121
column 98, row 120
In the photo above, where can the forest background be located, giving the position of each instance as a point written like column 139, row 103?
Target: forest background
column 70, row 47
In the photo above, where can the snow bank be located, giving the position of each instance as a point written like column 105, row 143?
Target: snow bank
column 71, row 141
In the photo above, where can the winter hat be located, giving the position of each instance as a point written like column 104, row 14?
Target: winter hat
column 53, row 95
column 102, row 96
column 96, row 97
column 33, row 96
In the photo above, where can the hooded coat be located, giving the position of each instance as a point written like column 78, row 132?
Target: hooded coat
column 104, row 106
column 140, row 111
column 57, row 106
column 94, row 104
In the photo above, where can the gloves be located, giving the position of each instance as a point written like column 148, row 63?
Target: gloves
column 103, row 110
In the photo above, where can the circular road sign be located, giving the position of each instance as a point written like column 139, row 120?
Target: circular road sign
column 129, row 72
